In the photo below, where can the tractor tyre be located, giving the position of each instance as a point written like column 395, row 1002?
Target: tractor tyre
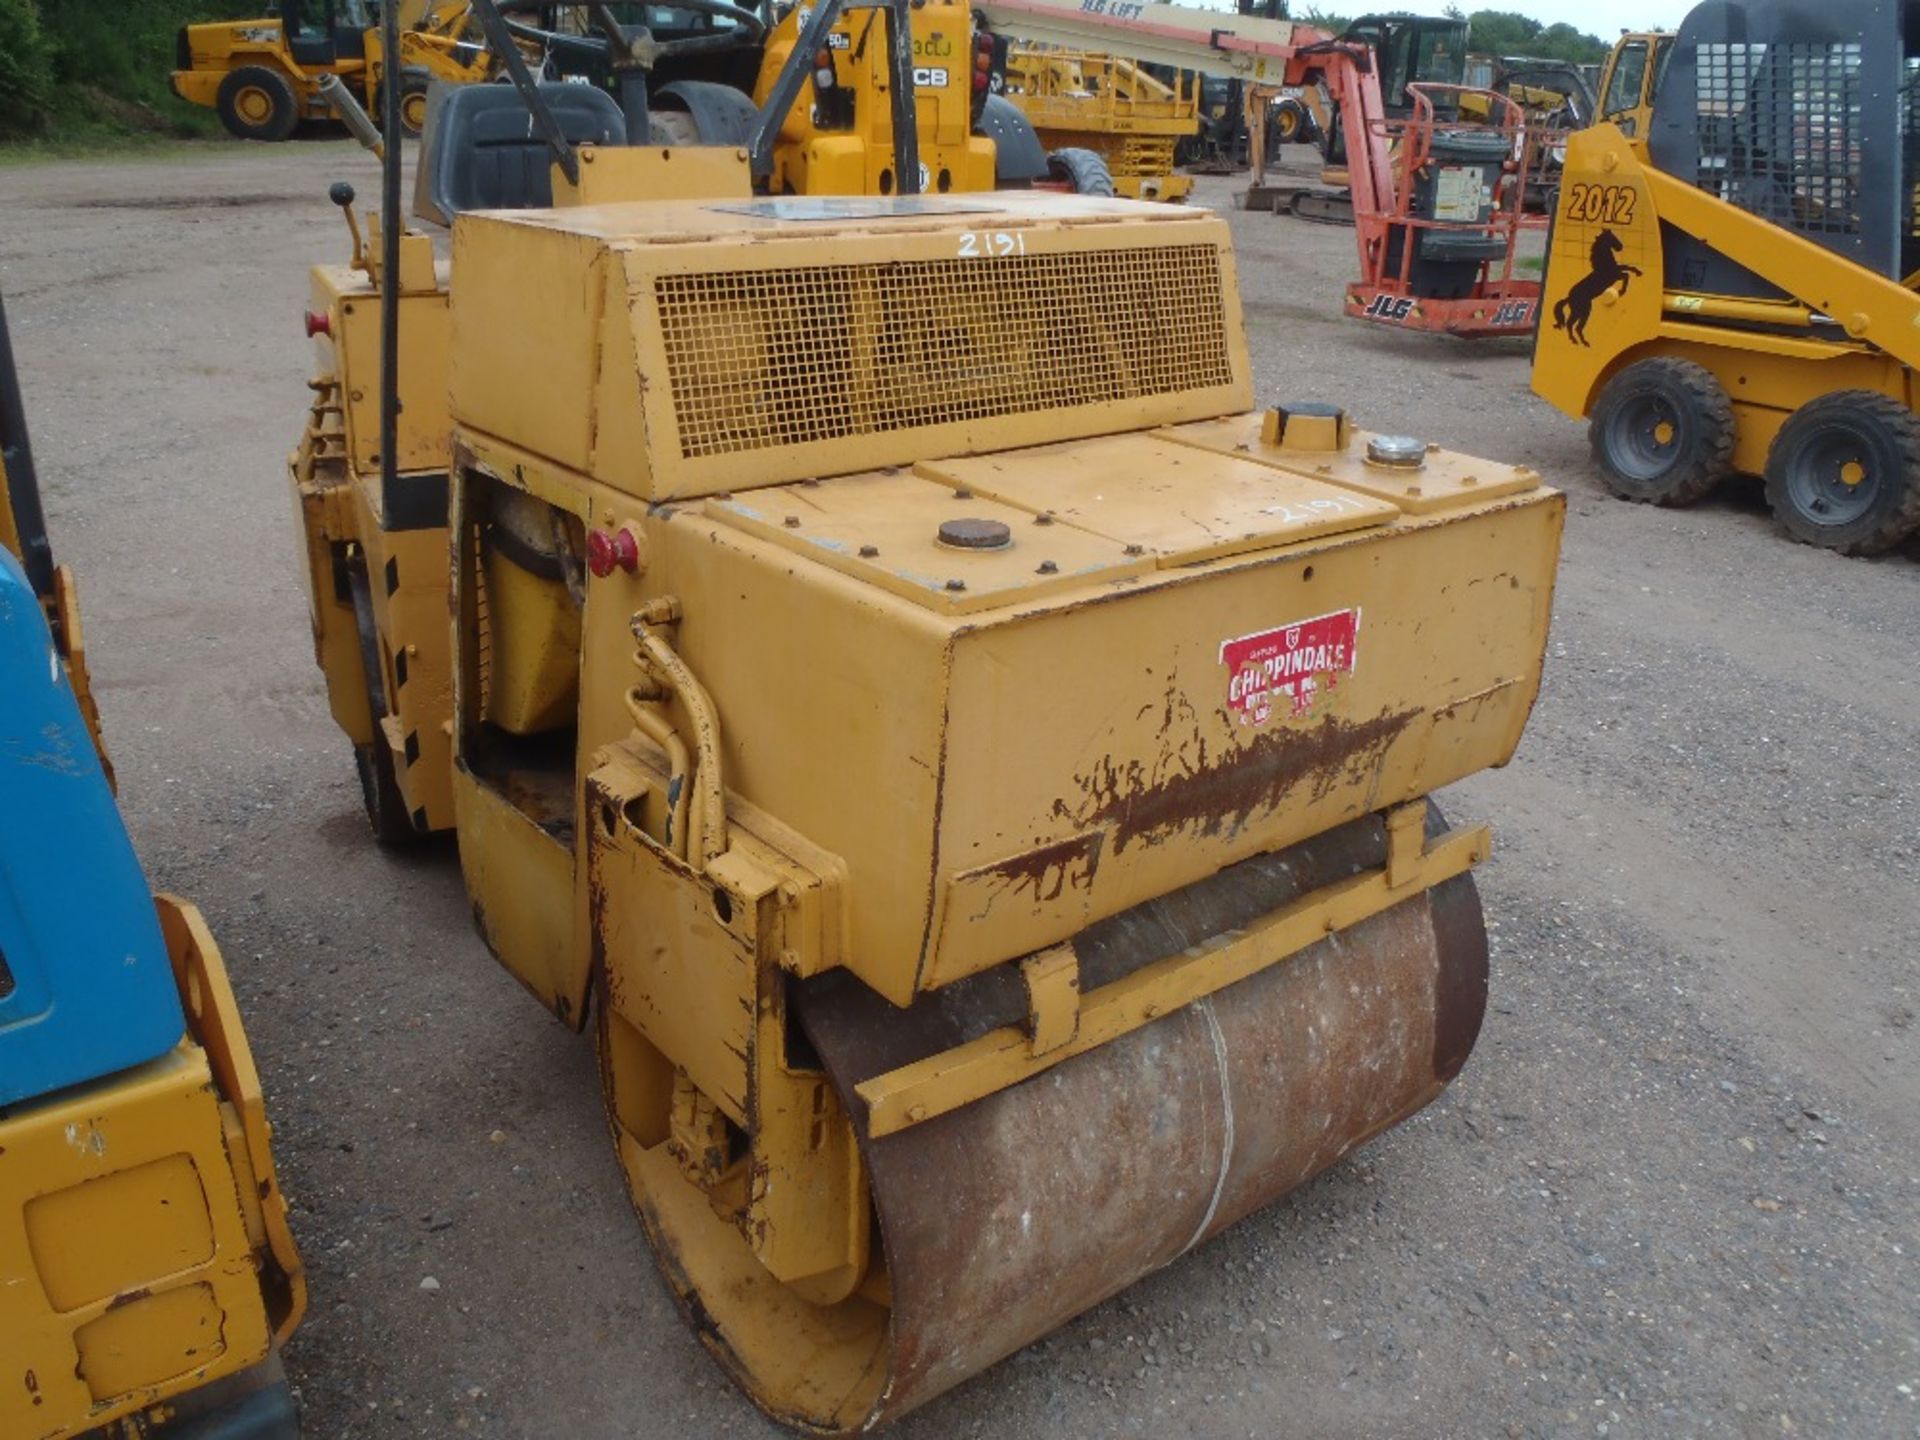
column 1844, row 473
column 1083, row 170
column 386, row 806
column 413, row 101
column 393, row 827
column 1662, row 432
column 1288, row 122
column 256, row 103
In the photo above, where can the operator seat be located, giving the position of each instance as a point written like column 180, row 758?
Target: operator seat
column 479, row 149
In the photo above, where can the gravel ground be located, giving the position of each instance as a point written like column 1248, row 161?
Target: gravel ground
column 1675, row 1192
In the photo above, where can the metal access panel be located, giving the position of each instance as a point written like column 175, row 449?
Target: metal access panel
column 1802, row 114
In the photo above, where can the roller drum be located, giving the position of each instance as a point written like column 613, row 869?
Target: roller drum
column 1002, row 1220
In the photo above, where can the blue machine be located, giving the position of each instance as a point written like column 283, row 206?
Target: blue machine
column 86, row 988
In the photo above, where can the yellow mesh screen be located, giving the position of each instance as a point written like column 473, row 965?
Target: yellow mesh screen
column 764, row 358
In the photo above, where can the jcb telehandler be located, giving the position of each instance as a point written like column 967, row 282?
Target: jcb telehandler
column 263, row 76
column 708, row 72
column 147, row 1274
column 1731, row 287
column 966, row 760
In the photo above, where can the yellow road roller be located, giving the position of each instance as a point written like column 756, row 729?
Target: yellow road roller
column 966, row 759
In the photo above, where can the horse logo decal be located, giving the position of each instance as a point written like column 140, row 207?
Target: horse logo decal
column 1572, row 311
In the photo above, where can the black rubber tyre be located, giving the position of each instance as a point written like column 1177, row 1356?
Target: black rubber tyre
column 1085, row 171
column 1288, row 123
column 256, row 103
column 1844, row 473
column 413, row 101
column 380, row 792
column 1662, row 432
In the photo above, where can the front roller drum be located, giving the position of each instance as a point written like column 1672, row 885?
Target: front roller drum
column 1000, row 1221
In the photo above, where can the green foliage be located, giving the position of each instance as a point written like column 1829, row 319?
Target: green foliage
column 1323, row 19
column 26, row 68
column 1506, row 32
column 85, row 68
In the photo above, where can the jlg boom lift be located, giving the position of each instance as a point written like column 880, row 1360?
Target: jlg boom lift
column 1438, row 202
column 147, row 1274
column 1732, row 285
column 965, row 759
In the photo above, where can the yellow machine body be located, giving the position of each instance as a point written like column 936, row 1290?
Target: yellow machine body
column 146, row 1260
column 1838, row 327
column 143, row 1232
column 1112, row 106
column 1767, row 355
column 858, row 159
column 1631, row 77
column 433, row 46
column 907, row 695
column 860, row 623
column 375, row 562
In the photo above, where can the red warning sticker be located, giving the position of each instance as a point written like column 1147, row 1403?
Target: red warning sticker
column 1294, row 661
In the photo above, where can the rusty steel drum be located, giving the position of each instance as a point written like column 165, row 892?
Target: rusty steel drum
column 1000, row 1221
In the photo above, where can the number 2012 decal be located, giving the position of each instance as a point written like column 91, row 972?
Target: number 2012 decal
column 1601, row 204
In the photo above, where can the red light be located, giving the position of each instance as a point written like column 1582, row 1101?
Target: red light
column 319, row 322
column 608, row 551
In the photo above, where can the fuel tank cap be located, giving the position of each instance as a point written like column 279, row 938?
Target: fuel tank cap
column 975, row 534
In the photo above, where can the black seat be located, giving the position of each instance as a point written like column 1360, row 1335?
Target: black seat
column 481, row 151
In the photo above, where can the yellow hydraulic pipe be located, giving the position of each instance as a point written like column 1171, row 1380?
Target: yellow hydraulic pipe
column 1729, row 307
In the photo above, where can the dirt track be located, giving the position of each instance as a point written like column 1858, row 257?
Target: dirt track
column 1675, row 1192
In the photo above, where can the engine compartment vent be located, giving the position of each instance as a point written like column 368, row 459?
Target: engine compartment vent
column 758, row 359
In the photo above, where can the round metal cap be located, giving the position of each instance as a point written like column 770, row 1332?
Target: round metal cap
column 975, row 534
column 1404, row 451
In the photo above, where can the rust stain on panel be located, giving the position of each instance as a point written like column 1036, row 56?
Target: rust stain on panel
column 1049, row 869
column 1175, row 795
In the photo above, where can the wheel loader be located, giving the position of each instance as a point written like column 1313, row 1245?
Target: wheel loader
column 966, row 759
column 263, row 76
column 1731, row 290
column 149, row 1272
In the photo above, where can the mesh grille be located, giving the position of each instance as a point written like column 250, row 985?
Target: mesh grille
column 1780, row 131
column 765, row 358
column 1910, row 150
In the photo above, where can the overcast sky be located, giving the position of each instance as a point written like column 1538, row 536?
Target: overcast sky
column 1603, row 19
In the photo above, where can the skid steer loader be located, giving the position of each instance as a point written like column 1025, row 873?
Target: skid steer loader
column 1731, row 287
column 147, row 1273
column 965, row 759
